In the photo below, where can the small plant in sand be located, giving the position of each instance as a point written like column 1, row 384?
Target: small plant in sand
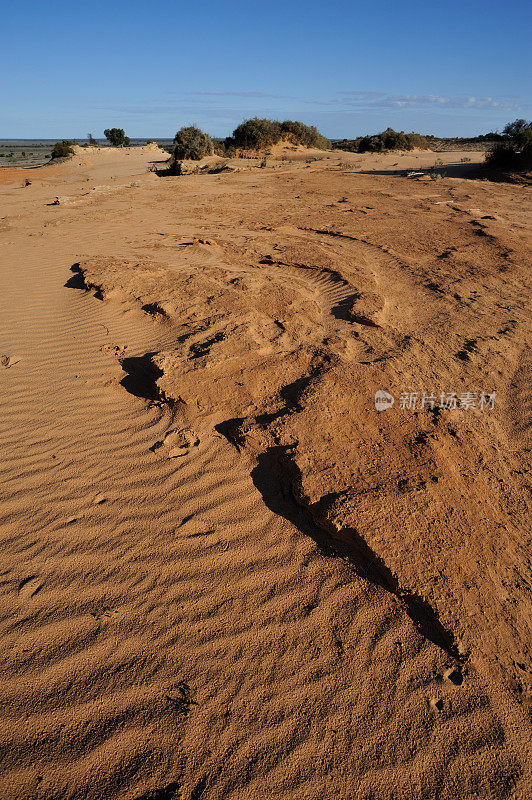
column 63, row 149
column 192, row 143
column 182, row 698
column 116, row 137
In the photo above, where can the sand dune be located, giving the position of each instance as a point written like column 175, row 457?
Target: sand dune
column 226, row 575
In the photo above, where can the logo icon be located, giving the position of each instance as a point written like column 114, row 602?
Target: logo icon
column 383, row 400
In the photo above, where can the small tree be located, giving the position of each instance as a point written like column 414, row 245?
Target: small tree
column 516, row 128
column 116, row 137
column 193, row 143
column 91, row 140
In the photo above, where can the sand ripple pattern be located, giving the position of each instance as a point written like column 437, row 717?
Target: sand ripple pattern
column 128, row 575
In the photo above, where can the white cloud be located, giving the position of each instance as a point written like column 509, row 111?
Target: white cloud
column 358, row 99
column 351, row 100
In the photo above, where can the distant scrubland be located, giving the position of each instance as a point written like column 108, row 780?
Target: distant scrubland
column 509, row 151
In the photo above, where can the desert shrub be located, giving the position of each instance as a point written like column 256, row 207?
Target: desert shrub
column 387, row 140
column 63, row 149
column 502, row 156
column 514, row 151
column 394, row 140
column 258, row 134
column 192, row 143
column 224, row 147
column 307, row 135
column 297, row 132
column 506, row 156
column 416, row 140
column 349, row 145
column 116, row 137
column 371, row 144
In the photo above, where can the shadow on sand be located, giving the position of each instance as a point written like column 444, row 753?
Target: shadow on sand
column 466, row 170
column 275, row 476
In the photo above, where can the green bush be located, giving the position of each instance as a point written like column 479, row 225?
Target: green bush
column 116, row 137
column 387, row 140
column 514, row 152
column 224, row 148
column 307, row 135
column 349, row 145
column 63, row 149
column 371, row 144
column 258, row 134
column 192, row 143
column 416, row 140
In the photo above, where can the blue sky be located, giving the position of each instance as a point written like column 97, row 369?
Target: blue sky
column 447, row 67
